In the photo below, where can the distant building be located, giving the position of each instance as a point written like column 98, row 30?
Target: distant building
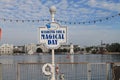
column 30, row 48
column 33, row 48
column 19, row 49
column 6, row 49
column 67, row 46
column 41, row 48
column 64, row 47
column 75, row 48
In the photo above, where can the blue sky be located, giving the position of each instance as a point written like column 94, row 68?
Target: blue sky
column 74, row 11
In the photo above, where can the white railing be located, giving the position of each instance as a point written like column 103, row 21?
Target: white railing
column 70, row 71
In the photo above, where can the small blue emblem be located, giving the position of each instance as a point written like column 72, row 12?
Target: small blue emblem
column 48, row 25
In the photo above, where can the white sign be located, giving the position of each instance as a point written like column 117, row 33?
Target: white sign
column 53, row 35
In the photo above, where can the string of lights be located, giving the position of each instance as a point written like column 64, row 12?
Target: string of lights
column 61, row 21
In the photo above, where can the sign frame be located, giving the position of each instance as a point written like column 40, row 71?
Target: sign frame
column 55, row 29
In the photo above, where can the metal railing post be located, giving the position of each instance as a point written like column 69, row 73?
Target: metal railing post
column 0, row 71
column 107, row 71
column 89, row 71
column 18, row 71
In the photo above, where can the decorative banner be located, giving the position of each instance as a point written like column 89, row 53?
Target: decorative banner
column 62, row 21
column 53, row 35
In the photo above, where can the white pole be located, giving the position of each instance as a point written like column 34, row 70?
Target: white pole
column 53, row 65
column 52, row 12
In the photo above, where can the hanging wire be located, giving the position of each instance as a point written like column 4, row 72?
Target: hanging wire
column 61, row 21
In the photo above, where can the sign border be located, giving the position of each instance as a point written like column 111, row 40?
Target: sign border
column 59, row 44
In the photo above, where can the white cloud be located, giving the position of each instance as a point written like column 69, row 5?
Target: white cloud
column 7, row 1
column 35, row 9
column 63, row 4
column 101, row 13
column 104, row 5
